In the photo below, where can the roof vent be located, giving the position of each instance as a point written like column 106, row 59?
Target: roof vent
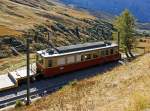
column 43, row 52
column 50, row 51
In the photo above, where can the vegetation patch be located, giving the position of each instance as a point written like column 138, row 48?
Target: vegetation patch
column 18, row 103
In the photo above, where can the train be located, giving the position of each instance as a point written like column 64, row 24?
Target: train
column 61, row 60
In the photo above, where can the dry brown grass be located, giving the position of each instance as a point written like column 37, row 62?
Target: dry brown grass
column 125, row 88
column 15, row 17
column 14, row 62
column 7, row 31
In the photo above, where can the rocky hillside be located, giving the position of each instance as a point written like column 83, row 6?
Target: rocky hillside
column 16, row 16
column 40, row 18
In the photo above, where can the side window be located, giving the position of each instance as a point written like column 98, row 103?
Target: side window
column 111, row 51
column 70, row 59
column 95, row 55
column 102, row 52
column 61, row 61
column 86, row 57
column 107, row 52
column 49, row 63
column 82, row 57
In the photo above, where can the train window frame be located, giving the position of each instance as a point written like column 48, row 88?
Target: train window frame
column 50, row 64
column 88, row 56
column 61, row 61
column 111, row 51
column 102, row 52
column 95, row 55
column 106, row 52
column 40, row 59
column 82, row 58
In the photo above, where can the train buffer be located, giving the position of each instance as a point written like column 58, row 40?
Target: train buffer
column 10, row 80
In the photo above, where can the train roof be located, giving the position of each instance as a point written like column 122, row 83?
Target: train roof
column 64, row 50
column 71, row 48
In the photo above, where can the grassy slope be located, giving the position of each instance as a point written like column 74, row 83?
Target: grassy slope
column 125, row 88
column 16, row 17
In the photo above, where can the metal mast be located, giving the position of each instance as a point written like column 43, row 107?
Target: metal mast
column 28, row 72
column 118, row 40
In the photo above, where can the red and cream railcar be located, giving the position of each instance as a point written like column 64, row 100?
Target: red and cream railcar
column 64, row 59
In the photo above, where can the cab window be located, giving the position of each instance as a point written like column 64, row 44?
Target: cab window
column 40, row 59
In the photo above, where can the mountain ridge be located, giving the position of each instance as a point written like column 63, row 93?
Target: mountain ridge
column 140, row 8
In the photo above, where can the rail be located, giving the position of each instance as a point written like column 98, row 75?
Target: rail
column 34, row 94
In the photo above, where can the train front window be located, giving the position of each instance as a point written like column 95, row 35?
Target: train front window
column 40, row 59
